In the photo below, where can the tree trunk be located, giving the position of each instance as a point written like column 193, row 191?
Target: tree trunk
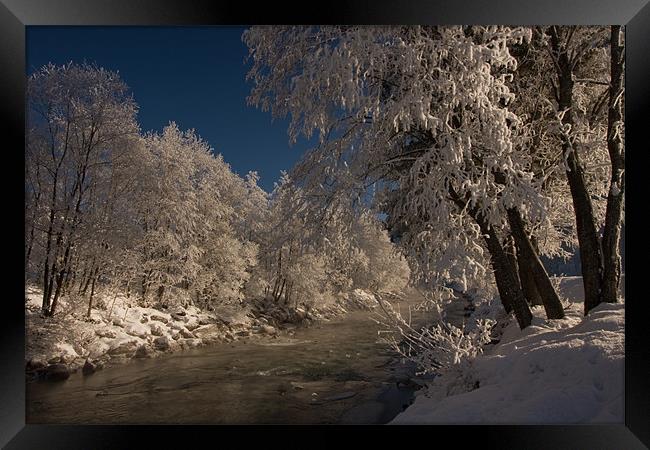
column 82, row 279
column 528, row 281
column 47, row 275
column 92, row 292
column 287, row 294
column 590, row 254
column 59, row 281
column 88, row 280
column 511, row 254
column 276, row 287
column 34, row 208
column 615, row 146
column 30, row 241
column 160, row 293
column 46, row 285
column 48, row 290
column 47, row 282
column 284, row 282
column 534, row 268
column 68, row 283
column 506, row 279
column 63, row 273
column 505, row 274
column 145, row 284
column 57, row 293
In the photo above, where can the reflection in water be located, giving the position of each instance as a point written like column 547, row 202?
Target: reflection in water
column 332, row 372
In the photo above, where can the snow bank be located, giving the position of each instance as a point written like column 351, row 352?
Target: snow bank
column 572, row 289
column 560, row 371
column 118, row 330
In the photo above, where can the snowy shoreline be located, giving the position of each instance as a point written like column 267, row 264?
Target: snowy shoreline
column 119, row 331
column 555, row 371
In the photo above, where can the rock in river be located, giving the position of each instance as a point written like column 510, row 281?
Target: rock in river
column 57, row 372
column 35, row 365
column 88, row 368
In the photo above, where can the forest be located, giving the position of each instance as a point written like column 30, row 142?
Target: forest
column 456, row 161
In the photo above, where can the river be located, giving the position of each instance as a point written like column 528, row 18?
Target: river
column 330, row 373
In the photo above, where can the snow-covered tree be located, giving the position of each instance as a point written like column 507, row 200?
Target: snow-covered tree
column 423, row 114
column 80, row 124
column 570, row 88
column 189, row 242
column 307, row 263
column 379, row 265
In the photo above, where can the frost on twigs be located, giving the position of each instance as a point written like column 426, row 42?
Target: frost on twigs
column 434, row 348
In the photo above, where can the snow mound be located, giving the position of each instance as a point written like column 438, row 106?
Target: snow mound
column 561, row 371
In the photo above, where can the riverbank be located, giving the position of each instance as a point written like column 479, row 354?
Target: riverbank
column 118, row 330
column 333, row 371
column 555, row 371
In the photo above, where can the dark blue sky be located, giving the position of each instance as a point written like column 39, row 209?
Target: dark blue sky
column 194, row 76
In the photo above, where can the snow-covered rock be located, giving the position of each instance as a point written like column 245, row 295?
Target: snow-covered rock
column 99, row 348
column 192, row 323
column 204, row 331
column 177, row 325
column 362, row 299
column 105, row 332
column 137, row 329
column 187, row 334
column 191, row 343
column 67, row 352
column 268, row 329
column 123, row 346
column 157, row 330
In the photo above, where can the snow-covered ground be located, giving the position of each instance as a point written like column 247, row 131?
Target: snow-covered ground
column 560, row 371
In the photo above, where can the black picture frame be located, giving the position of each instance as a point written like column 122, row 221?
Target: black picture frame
column 15, row 15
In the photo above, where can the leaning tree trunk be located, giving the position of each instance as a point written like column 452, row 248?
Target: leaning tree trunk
column 57, row 293
column 506, row 279
column 528, row 281
column 615, row 146
column 511, row 253
column 590, row 253
column 530, row 261
column 505, row 273
column 524, row 274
